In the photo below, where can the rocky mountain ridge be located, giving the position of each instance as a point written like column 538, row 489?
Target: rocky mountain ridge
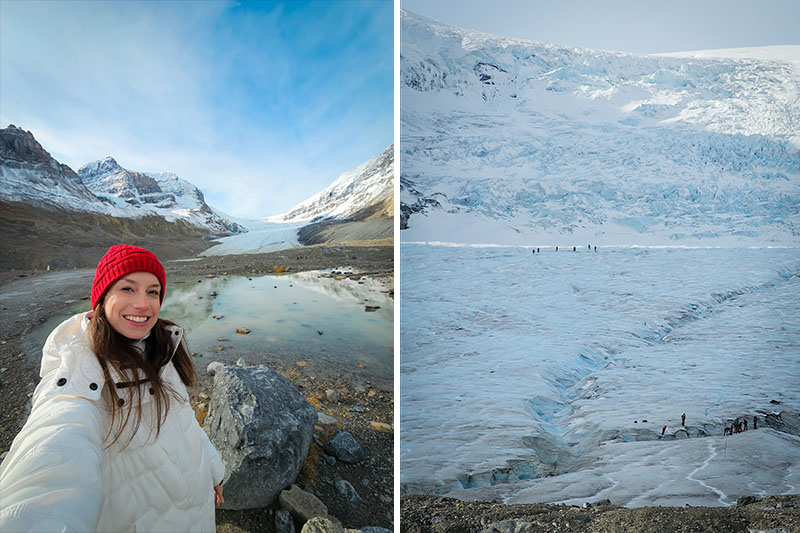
column 365, row 192
column 164, row 194
column 30, row 175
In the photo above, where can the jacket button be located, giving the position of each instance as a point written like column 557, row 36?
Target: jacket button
column 121, row 402
column 61, row 382
column 93, row 386
column 152, row 391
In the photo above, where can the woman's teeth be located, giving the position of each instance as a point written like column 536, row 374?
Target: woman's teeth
column 135, row 318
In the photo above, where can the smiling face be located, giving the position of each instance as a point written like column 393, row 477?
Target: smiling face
column 132, row 304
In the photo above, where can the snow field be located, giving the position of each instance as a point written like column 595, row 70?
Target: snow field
column 516, row 366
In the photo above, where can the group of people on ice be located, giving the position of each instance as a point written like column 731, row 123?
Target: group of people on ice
column 574, row 249
column 739, row 425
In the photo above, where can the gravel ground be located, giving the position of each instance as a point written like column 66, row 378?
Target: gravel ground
column 424, row 513
column 29, row 298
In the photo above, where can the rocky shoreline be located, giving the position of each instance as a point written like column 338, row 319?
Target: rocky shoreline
column 432, row 514
column 29, row 298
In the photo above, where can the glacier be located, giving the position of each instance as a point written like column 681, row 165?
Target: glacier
column 518, row 369
column 533, row 143
column 530, row 372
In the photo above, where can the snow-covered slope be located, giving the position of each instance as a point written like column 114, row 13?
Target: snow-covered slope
column 789, row 52
column 366, row 185
column 163, row 194
column 519, row 142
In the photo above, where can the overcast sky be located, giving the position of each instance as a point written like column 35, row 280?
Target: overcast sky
column 636, row 26
column 260, row 104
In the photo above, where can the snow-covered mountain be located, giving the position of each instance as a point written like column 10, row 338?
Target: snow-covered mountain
column 30, row 175
column 519, row 142
column 163, row 194
column 368, row 185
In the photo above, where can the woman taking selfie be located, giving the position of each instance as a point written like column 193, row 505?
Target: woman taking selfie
column 112, row 443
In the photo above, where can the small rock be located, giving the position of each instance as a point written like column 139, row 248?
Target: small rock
column 371, row 393
column 216, row 348
column 301, row 363
column 380, row 426
column 3, row 370
column 222, row 339
column 375, row 529
column 284, row 522
column 319, row 332
column 371, row 308
column 347, row 491
column 326, row 420
column 319, row 524
column 747, row 500
column 361, row 365
column 357, row 409
column 303, row 505
column 606, row 501
column 212, row 367
column 243, row 331
column 331, row 460
column 240, row 362
column 330, row 394
column 345, row 448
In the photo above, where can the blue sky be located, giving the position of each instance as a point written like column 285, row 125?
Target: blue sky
column 260, row 104
column 635, row 26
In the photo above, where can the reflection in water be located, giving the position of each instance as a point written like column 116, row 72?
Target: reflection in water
column 292, row 317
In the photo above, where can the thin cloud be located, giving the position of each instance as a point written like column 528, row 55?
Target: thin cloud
column 277, row 98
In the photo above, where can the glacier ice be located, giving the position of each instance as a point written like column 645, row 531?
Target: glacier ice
column 536, row 377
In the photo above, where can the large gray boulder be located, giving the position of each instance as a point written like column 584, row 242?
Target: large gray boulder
column 262, row 427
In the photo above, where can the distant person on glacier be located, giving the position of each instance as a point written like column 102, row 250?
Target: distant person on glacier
column 112, row 443
column 683, row 419
column 755, row 422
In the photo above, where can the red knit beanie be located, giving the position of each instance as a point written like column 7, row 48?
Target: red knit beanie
column 123, row 259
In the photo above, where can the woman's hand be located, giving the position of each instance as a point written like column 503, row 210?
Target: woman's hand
column 218, row 499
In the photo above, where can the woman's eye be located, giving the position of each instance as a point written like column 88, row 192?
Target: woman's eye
column 153, row 293
column 129, row 289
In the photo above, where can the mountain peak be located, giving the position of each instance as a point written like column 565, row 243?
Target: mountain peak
column 365, row 185
column 101, row 166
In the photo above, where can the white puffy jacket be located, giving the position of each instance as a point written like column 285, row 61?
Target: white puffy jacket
column 59, row 476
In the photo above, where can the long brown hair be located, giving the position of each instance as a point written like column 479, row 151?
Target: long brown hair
column 113, row 350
